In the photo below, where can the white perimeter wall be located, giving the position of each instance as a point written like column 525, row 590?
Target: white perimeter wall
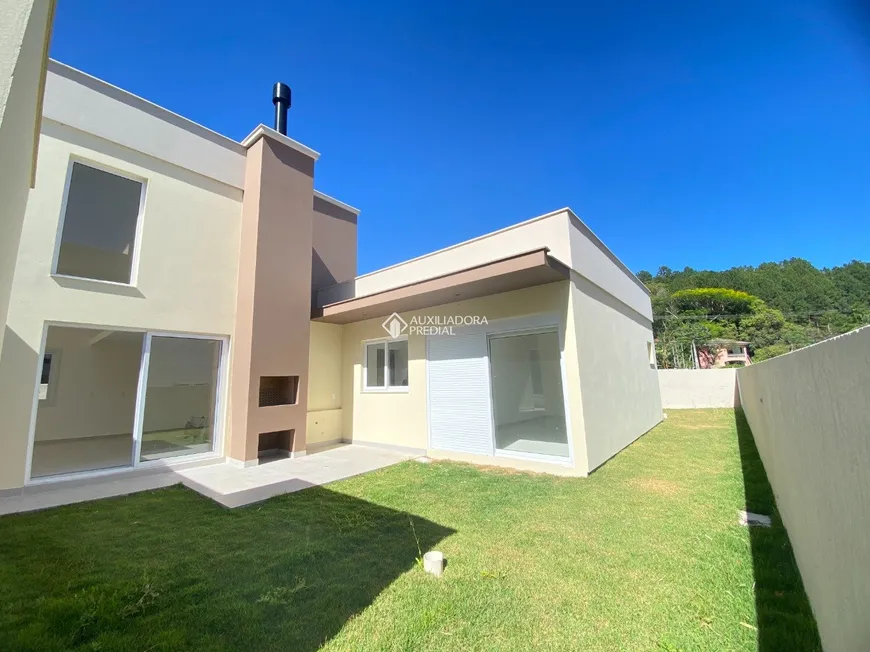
column 810, row 416
column 619, row 388
column 698, row 388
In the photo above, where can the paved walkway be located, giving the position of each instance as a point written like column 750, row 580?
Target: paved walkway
column 234, row 487
column 227, row 484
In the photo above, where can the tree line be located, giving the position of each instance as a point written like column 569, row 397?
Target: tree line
column 776, row 307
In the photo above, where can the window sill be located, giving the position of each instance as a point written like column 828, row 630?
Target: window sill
column 96, row 285
column 385, row 390
column 92, row 280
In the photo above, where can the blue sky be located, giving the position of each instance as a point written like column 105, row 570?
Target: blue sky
column 683, row 135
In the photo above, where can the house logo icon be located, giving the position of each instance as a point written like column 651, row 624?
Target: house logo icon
column 395, row 325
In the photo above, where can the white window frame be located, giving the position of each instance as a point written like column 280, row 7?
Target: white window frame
column 534, row 330
column 137, row 238
column 387, row 388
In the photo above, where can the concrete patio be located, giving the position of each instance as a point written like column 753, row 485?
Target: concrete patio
column 232, row 486
column 225, row 483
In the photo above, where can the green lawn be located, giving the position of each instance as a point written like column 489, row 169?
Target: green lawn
column 645, row 554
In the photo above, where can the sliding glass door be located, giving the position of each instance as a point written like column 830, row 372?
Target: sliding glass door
column 180, row 397
column 109, row 399
column 527, row 397
column 86, row 401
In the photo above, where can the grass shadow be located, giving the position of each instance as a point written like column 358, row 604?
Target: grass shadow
column 170, row 570
column 784, row 617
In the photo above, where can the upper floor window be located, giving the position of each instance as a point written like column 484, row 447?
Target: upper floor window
column 100, row 220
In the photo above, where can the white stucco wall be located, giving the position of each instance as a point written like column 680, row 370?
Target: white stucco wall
column 186, row 281
column 618, row 386
column 698, row 388
column 809, row 412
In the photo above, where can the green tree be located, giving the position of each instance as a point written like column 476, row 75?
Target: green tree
column 767, row 352
column 823, row 301
column 763, row 328
column 714, row 302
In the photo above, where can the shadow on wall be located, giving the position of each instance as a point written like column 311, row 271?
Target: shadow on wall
column 18, row 368
column 170, row 569
column 785, row 619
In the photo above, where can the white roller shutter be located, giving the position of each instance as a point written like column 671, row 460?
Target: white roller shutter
column 460, row 413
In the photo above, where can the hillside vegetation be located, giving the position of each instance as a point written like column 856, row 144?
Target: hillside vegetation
column 776, row 307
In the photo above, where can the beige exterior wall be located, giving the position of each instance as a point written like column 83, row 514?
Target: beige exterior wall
column 809, row 412
column 25, row 30
column 400, row 418
column 698, row 388
column 186, row 282
column 619, row 387
column 325, row 383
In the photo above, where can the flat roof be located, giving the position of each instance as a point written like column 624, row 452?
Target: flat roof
column 535, row 267
column 582, row 226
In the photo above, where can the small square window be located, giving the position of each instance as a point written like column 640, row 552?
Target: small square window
column 48, row 376
column 99, row 225
column 386, row 365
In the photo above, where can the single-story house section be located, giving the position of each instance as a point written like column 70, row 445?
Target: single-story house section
column 529, row 347
column 183, row 299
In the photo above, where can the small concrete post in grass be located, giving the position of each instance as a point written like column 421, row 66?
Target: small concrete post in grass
column 433, row 562
column 752, row 520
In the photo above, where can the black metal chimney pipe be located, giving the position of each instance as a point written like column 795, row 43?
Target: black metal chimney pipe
column 281, row 100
